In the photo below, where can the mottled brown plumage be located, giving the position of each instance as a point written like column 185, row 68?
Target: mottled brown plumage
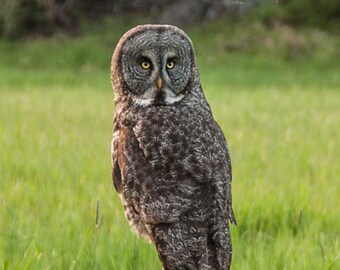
column 170, row 161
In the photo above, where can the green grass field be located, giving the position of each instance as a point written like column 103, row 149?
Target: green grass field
column 279, row 110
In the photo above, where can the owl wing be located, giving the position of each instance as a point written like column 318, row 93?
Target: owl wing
column 226, row 184
column 175, row 149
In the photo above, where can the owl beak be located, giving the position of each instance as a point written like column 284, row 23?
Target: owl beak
column 159, row 83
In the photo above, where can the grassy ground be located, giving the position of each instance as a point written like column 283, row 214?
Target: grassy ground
column 278, row 105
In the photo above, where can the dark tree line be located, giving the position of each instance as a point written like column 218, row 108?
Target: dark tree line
column 18, row 17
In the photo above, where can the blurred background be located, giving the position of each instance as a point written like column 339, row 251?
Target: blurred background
column 270, row 71
column 22, row 17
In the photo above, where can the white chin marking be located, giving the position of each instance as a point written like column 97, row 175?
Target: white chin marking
column 173, row 99
column 143, row 101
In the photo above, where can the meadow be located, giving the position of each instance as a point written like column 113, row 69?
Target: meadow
column 275, row 93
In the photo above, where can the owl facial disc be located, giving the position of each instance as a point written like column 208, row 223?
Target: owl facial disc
column 155, row 65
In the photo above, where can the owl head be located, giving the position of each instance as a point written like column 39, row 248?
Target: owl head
column 154, row 65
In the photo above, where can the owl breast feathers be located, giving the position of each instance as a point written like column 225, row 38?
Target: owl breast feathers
column 170, row 161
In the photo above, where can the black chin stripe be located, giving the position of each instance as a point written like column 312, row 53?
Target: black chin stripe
column 160, row 98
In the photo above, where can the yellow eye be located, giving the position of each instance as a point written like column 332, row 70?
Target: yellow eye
column 170, row 65
column 145, row 64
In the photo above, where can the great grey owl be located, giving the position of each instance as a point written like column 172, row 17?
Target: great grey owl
column 170, row 161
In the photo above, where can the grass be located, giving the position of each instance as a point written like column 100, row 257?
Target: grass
column 280, row 114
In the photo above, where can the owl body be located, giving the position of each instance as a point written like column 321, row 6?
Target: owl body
column 170, row 161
